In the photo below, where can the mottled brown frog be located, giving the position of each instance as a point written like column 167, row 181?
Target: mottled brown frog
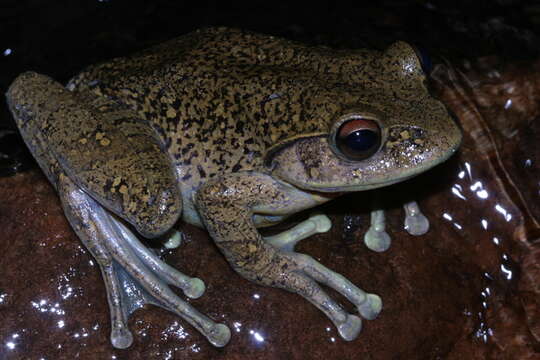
column 231, row 131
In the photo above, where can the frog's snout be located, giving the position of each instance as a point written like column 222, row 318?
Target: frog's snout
column 14, row 98
column 29, row 92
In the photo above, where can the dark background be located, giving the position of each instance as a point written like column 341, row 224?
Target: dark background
column 60, row 37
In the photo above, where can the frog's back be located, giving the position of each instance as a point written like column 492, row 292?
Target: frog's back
column 180, row 88
column 212, row 95
column 204, row 50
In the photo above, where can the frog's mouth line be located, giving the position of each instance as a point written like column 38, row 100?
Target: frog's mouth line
column 363, row 187
column 272, row 151
column 355, row 188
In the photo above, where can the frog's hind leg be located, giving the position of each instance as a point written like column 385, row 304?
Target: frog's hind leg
column 369, row 305
column 133, row 275
column 101, row 155
column 227, row 211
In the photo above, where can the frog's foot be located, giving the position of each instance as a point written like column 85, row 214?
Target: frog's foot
column 302, row 275
column 415, row 222
column 173, row 240
column 133, row 275
column 376, row 238
column 287, row 240
column 305, row 272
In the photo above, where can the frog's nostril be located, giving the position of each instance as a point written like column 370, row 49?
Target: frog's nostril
column 405, row 135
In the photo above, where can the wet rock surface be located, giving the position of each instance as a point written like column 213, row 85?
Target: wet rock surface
column 54, row 303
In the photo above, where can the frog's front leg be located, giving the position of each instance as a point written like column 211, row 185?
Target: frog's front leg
column 133, row 275
column 103, row 159
column 227, row 206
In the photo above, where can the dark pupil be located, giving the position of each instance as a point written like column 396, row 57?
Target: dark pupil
column 361, row 140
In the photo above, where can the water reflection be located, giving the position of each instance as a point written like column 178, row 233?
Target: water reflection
column 484, row 332
column 479, row 188
column 175, row 331
column 237, row 326
column 44, row 306
column 506, row 214
column 257, row 336
column 484, row 223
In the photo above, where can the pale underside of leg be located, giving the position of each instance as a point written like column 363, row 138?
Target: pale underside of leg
column 133, row 275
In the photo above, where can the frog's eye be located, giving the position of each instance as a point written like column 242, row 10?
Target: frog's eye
column 358, row 139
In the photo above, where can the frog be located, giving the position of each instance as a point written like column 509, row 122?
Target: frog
column 231, row 131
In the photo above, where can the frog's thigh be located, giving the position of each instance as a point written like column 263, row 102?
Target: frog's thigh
column 103, row 146
column 133, row 275
column 227, row 205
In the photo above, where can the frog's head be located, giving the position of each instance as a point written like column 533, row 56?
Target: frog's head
column 392, row 130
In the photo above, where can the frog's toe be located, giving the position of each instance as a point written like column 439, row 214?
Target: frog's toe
column 287, row 240
column 322, row 222
column 302, row 275
column 121, row 338
column 219, row 335
column 350, row 329
column 192, row 287
column 368, row 305
column 195, row 289
column 173, row 240
column 371, row 307
column 150, row 276
column 376, row 238
column 296, row 281
column 416, row 223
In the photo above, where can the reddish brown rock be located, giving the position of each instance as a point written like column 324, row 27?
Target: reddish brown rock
column 54, row 306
